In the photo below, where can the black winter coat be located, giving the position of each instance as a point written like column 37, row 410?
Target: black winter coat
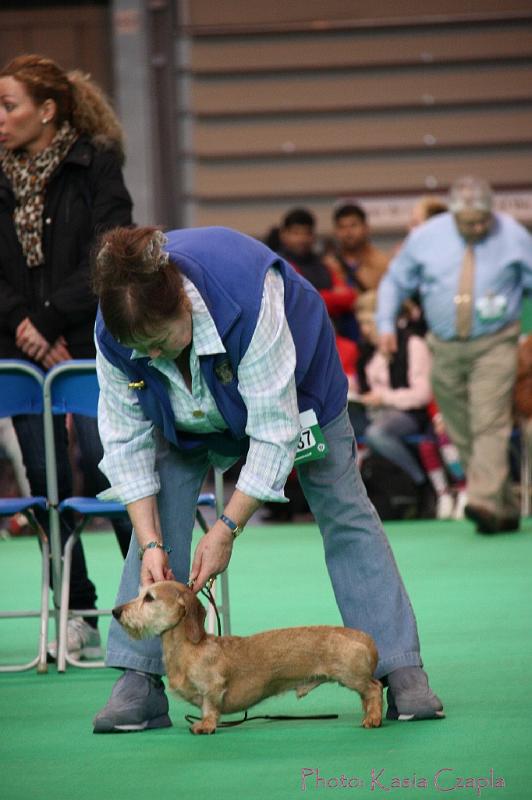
column 85, row 196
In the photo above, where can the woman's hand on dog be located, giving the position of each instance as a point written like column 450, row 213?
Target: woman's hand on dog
column 155, row 567
column 212, row 555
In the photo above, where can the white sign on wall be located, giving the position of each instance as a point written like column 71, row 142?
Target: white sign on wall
column 394, row 213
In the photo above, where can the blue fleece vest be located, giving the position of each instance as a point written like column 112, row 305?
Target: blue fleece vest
column 228, row 269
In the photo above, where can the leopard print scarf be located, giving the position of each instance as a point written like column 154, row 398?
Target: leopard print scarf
column 28, row 177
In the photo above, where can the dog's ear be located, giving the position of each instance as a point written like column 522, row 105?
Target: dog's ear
column 194, row 617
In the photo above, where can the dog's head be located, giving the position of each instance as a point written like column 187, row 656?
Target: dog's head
column 160, row 607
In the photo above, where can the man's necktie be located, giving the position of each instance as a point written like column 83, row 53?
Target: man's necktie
column 464, row 297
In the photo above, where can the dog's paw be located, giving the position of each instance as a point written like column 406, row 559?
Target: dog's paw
column 202, row 727
column 372, row 721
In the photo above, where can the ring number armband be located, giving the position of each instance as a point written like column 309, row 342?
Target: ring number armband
column 235, row 529
column 152, row 546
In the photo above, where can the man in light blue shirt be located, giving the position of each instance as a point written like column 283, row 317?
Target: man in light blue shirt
column 471, row 267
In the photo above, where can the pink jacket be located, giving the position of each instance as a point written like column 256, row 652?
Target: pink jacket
column 419, row 392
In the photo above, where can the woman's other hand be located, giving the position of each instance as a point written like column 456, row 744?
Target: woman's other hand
column 30, row 341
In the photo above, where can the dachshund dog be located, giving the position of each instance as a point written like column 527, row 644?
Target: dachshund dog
column 224, row 674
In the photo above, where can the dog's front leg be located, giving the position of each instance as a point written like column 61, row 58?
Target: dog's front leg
column 210, row 711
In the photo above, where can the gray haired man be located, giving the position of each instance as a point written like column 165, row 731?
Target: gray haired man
column 471, row 267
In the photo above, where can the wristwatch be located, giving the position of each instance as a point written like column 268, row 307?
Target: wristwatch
column 235, row 529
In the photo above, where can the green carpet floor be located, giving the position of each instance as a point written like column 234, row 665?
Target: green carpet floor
column 472, row 597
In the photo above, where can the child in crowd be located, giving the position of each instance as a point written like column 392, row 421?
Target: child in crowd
column 394, row 392
column 410, row 409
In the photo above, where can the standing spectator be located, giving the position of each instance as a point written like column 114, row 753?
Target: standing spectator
column 471, row 267
column 60, row 185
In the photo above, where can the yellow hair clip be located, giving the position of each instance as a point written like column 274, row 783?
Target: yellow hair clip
column 136, row 385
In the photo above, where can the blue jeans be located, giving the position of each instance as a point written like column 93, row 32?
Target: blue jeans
column 384, row 436
column 30, row 434
column 365, row 579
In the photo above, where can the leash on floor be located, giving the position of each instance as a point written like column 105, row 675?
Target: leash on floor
column 206, row 592
column 273, row 718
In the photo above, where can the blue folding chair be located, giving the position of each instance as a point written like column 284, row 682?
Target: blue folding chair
column 21, row 392
column 72, row 387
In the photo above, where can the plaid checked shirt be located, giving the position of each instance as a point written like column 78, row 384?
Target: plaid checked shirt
column 267, row 386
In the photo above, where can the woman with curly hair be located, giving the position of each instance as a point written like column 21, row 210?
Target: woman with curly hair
column 61, row 185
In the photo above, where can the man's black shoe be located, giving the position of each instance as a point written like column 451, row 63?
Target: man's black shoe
column 487, row 522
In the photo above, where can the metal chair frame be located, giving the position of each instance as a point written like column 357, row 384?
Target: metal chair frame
column 21, row 385
column 60, row 397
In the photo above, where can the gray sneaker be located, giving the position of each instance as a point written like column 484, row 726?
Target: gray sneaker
column 137, row 703
column 410, row 697
column 83, row 641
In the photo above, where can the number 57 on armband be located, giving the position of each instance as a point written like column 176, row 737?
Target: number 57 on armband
column 312, row 444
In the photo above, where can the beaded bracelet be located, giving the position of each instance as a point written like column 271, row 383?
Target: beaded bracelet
column 152, row 546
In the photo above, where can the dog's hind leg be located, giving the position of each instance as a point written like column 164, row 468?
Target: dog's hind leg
column 372, row 702
column 370, row 690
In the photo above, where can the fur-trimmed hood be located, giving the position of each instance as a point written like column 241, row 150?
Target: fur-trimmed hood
column 103, row 142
